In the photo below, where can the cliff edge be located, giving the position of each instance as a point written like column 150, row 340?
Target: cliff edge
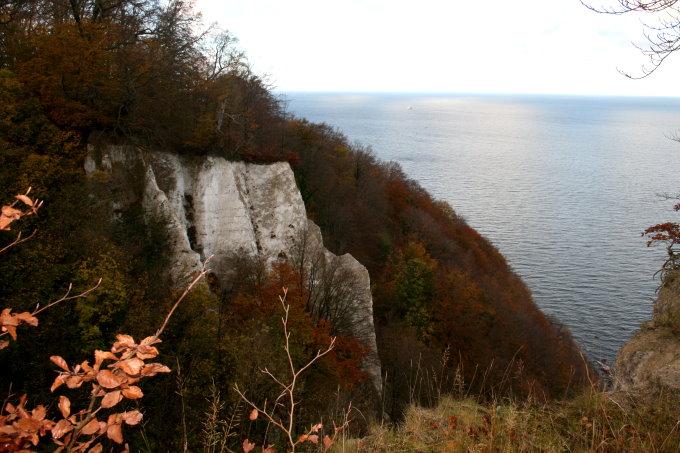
column 231, row 210
column 651, row 359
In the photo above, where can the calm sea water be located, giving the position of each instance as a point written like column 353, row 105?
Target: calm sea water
column 563, row 186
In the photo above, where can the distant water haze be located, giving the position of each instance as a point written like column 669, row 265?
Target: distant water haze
column 563, row 186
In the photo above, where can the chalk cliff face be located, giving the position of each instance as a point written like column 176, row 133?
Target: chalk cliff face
column 213, row 207
column 651, row 359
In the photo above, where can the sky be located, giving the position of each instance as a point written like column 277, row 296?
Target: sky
column 444, row 46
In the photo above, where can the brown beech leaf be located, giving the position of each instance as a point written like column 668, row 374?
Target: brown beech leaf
column 115, row 433
column 64, row 406
column 98, row 448
column 24, row 199
column 100, row 356
column 58, row 381
column 3, row 344
column 29, row 424
column 39, row 412
column 133, row 392
column 132, row 417
column 111, row 399
column 269, row 449
column 11, row 330
column 302, row 438
column 131, row 366
column 62, row 427
column 146, row 352
column 108, row 380
column 91, row 428
column 148, row 341
column 151, row 369
column 247, row 446
column 316, row 428
column 124, row 342
column 27, row 318
column 327, row 441
column 60, row 362
column 313, row 439
column 73, row 381
column 253, row 414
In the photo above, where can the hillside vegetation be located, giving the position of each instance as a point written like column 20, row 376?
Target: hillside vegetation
column 448, row 308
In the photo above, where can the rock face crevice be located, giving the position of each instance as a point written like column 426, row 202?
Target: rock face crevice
column 214, row 207
column 651, row 359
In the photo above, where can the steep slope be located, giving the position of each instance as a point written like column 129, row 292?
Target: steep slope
column 651, row 359
column 226, row 210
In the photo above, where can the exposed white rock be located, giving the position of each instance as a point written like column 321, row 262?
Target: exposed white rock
column 651, row 359
column 214, row 207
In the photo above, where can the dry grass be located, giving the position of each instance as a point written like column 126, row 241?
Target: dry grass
column 593, row 422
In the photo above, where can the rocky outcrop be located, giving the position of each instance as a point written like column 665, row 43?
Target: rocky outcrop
column 226, row 210
column 651, row 359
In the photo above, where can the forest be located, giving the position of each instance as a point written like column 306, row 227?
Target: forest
column 448, row 308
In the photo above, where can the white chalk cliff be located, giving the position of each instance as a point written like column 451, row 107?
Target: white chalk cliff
column 214, row 207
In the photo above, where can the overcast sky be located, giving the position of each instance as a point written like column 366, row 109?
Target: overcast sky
column 478, row 46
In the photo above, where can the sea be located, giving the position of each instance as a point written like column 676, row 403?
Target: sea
column 563, row 186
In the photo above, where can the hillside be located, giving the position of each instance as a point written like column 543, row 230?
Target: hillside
column 447, row 307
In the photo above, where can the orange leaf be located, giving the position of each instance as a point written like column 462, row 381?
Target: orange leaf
column 132, row 417
column 73, row 382
column 327, row 442
column 27, row 201
column 100, row 356
column 111, row 399
column 314, row 439
column 96, row 449
column 146, row 352
column 151, row 369
column 62, row 427
column 131, row 366
column 253, row 415
column 60, row 362
column 108, row 380
column 91, row 428
column 27, row 318
column 58, row 381
column 316, row 428
column 133, row 392
column 115, row 433
column 247, row 446
column 64, row 406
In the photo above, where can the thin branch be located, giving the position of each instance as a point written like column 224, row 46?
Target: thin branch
column 204, row 271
